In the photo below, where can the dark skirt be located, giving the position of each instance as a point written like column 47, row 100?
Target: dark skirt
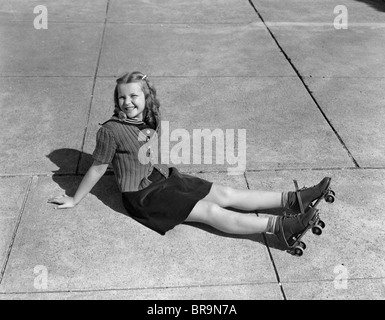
column 166, row 203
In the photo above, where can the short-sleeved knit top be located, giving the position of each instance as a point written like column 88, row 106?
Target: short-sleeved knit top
column 133, row 149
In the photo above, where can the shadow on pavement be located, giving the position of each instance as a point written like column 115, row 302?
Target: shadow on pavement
column 253, row 237
column 377, row 4
column 106, row 190
column 271, row 240
column 274, row 243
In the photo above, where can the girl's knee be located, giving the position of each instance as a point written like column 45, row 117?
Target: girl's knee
column 223, row 195
column 212, row 210
column 227, row 192
column 204, row 211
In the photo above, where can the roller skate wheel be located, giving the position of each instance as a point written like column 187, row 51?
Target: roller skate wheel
column 302, row 245
column 298, row 251
column 329, row 198
column 321, row 224
column 332, row 192
column 317, row 230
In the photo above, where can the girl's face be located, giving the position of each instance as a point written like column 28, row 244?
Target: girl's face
column 131, row 100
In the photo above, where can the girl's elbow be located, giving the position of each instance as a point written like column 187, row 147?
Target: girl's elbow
column 99, row 168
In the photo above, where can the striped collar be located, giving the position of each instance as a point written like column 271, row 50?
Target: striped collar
column 132, row 121
column 116, row 118
column 122, row 117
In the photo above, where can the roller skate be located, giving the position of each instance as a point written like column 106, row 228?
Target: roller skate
column 292, row 227
column 301, row 199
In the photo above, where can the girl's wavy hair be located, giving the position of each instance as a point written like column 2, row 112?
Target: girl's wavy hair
column 151, row 113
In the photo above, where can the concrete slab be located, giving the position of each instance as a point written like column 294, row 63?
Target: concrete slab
column 350, row 246
column 284, row 129
column 355, row 106
column 216, row 58
column 278, row 13
column 61, row 50
column 192, row 50
column 259, row 291
column 174, row 11
column 95, row 247
column 306, row 32
column 58, row 11
column 356, row 289
column 12, row 194
column 41, row 115
column 322, row 51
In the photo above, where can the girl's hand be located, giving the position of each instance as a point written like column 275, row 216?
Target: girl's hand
column 63, row 202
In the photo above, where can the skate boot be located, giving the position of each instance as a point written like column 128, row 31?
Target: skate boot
column 290, row 228
column 308, row 195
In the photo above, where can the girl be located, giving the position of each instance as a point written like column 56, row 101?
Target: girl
column 160, row 197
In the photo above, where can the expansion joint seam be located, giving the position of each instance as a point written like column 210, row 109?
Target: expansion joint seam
column 301, row 78
column 22, row 209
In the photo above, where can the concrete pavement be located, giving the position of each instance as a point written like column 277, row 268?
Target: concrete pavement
column 309, row 96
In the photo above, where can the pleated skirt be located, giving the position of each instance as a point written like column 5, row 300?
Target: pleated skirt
column 166, row 202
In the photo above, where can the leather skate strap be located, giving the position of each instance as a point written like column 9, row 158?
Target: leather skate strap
column 299, row 197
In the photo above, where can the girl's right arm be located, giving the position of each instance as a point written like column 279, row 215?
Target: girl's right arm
column 93, row 175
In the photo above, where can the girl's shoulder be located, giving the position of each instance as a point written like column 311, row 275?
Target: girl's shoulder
column 113, row 119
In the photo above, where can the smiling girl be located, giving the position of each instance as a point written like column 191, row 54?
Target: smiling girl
column 160, row 197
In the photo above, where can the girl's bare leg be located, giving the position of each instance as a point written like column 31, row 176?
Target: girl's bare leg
column 226, row 220
column 244, row 199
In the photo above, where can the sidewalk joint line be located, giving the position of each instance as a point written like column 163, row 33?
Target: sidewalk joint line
column 332, row 280
column 275, row 267
column 187, row 24
column 305, row 85
column 277, row 24
column 93, row 90
column 199, row 76
column 21, row 212
column 268, row 248
column 44, row 76
column 111, row 173
column 247, row 181
column 252, row 283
